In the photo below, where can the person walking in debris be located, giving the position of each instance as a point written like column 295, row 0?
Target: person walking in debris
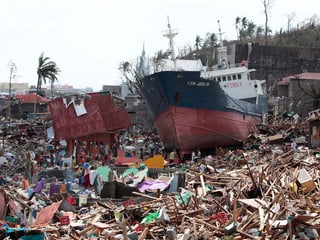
column 114, row 150
column 172, row 156
column 193, row 157
column 67, row 173
column 141, row 154
column 86, row 176
column 198, row 154
column 79, row 171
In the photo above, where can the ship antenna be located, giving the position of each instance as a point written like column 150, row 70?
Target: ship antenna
column 220, row 34
column 171, row 33
column 222, row 52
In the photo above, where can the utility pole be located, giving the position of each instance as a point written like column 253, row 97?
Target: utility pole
column 13, row 71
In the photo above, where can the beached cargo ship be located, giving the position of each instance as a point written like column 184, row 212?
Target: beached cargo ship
column 196, row 107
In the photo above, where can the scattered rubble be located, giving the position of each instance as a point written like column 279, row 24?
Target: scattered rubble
column 267, row 189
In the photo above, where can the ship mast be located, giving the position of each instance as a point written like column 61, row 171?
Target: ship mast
column 171, row 33
column 222, row 52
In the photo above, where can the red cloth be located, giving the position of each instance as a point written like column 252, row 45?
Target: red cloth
column 87, row 180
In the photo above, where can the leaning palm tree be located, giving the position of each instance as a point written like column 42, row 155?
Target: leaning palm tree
column 47, row 70
column 124, row 67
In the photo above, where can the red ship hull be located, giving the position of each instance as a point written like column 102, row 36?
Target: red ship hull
column 189, row 129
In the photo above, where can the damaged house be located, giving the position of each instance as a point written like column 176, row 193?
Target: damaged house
column 90, row 117
column 302, row 91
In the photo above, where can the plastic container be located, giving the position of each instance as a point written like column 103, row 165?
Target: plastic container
column 83, row 198
column 64, row 220
column 30, row 191
column 11, row 221
column 54, row 188
column 63, row 188
column 72, row 201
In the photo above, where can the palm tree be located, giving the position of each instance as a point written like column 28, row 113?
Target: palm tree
column 211, row 40
column 259, row 33
column 198, row 43
column 243, row 29
column 127, row 73
column 158, row 59
column 251, row 29
column 124, row 67
column 47, row 70
column 244, row 22
column 238, row 20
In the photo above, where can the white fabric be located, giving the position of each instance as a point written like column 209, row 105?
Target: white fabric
column 92, row 176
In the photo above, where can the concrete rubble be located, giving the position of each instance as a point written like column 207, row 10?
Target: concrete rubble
column 267, row 189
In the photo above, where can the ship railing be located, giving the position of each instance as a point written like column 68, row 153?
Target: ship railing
column 169, row 68
column 163, row 67
column 217, row 67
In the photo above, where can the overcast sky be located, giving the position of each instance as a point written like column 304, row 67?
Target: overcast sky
column 89, row 38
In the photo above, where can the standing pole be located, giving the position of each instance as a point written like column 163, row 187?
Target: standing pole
column 13, row 71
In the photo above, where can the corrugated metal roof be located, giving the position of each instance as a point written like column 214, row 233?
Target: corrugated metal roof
column 102, row 116
column 31, row 98
column 303, row 76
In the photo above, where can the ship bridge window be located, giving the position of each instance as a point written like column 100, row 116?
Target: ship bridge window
column 224, row 78
column 239, row 76
column 219, row 79
column 229, row 78
column 234, row 77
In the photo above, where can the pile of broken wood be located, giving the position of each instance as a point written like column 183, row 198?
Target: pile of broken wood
column 234, row 194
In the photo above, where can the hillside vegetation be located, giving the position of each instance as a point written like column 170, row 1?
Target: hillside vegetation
column 305, row 35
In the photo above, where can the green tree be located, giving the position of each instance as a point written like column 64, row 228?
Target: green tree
column 128, row 76
column 242, row 25
column 251, row 30
column 198, row 43
column 211, row 40
column 158, row 59
column 246, row 29
column 124, row 67
column 131, row 75
column 47, row 70
column 259, row 33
